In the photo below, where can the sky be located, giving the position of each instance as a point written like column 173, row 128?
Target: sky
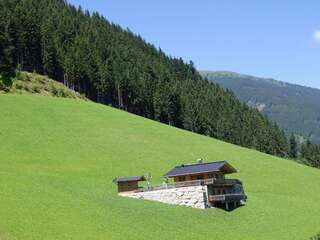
column 274, row 39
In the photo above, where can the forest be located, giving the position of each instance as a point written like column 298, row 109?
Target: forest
column 115, row 66
column 310, row 154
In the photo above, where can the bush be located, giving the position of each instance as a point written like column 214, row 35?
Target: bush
column 36, row 88
column 27, row 88
column 316, row 237
column 19, row 85
column 53, row 89
column 2, row 87
column 5, row 82
column 40, row 79
column 26, row 77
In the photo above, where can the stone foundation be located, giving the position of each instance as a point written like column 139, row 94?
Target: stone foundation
column 192, row 196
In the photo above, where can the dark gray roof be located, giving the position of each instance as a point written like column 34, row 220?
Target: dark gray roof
column 129, row 179
column 186, row 169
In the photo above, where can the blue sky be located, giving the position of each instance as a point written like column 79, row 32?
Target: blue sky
column 278, row 39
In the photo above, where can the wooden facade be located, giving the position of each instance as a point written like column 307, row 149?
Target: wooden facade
column 128, row 184
column 220, row 191
column 199, row 176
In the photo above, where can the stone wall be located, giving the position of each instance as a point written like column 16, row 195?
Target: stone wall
column 193, row 196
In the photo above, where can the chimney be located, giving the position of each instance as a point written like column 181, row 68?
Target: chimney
column 200, row 160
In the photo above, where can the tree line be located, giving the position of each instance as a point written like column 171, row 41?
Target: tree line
column 114, row 66
column 307, row 152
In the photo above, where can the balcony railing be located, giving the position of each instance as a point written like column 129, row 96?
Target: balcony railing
column 200, row 182
column 229, row 197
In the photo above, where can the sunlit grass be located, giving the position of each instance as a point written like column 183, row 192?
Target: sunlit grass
column 58, row 158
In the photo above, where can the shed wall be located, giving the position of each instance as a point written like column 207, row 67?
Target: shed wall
column 127, row 186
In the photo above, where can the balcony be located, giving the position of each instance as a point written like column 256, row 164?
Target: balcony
column 229, row 197
column 200, row 182
column 225, row 182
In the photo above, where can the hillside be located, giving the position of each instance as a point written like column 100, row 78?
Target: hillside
column 59, row 156
column 116, row 67
column 295, row 108
column 32, row 83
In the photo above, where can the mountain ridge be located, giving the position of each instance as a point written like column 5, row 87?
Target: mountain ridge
column 292, row 106
column 255, row 78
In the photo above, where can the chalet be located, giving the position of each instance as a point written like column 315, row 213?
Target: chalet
column 127, row 184
column 200, row 170
column 220, row 191
column 199, row 185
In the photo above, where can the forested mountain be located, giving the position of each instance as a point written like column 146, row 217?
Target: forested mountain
column 114, row 66
column 295, row 108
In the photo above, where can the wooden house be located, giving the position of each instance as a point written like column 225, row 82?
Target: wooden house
column 127, row 184
column 198, row 171
column 220, row 191
column 199, row 185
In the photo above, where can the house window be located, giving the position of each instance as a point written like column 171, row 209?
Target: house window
column 199, row 177
column 181, row 179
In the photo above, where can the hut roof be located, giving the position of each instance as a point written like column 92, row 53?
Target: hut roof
column 129, row 179
column 198, row 168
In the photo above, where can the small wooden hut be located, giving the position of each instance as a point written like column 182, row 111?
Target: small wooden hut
column 127, row 184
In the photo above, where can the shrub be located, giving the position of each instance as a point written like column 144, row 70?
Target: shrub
column 26, row 77
column 27, row 88
column 54, row 90
column 5, row 82
column 36, row 88
column 316, row 237
column 2, row 87
column 40, row 79
column 19, row 85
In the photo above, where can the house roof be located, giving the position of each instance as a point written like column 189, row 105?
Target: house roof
column 129, row 179
column 188, row 169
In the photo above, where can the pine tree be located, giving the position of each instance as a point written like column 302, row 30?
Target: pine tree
column 49, row 55
column 7, row 68
column 293, row 152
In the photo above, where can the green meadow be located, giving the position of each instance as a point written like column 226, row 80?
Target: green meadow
column 58, row 158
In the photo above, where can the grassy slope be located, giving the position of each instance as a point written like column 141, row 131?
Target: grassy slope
column 58, row 157
column 32, row 83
